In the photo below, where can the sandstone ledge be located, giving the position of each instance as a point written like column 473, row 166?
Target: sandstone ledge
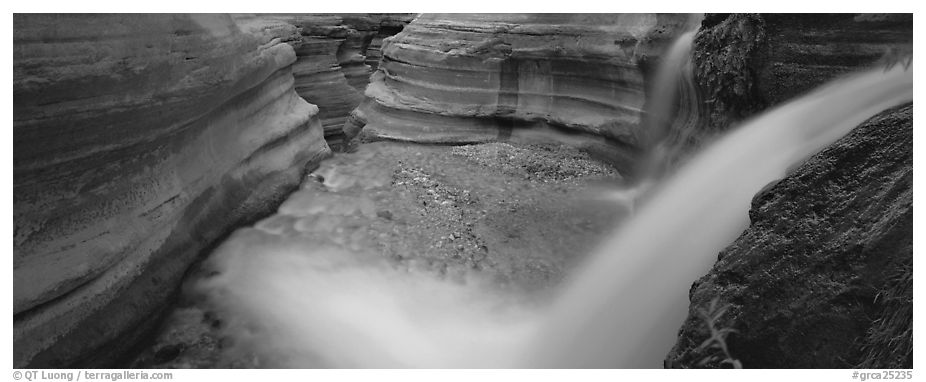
column 466, row 78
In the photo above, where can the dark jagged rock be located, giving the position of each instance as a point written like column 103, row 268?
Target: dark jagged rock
column 806, row 50
column 822, row 277
column 729, row 53
column 140, row 139
column 745, row 63
column 802, row 279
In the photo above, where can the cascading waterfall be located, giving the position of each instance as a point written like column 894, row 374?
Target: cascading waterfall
column 679, row 137
column 672, row 107
column 296, row 305
column 670, row 120
column 624, row 307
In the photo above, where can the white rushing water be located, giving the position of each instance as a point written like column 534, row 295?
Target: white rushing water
column 625, row 306
column 672, row 86
column 292, row 304
column 671, row 118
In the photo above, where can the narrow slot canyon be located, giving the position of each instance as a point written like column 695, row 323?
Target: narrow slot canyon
column 462, row 191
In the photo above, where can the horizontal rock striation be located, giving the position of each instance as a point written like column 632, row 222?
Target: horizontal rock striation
column 331, row 68
column 390, row 24
column 139, row 140
column 351, row 54
column 465, row 78
column 822, row 278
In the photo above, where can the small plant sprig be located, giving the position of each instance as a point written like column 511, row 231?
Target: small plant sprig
column 897, row 55
column 718, row 338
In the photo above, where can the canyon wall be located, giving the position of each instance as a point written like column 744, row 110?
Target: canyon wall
column 745, row 63
column 139, row 140
column 465, row 78
column 390, row 24
column 332, row 64
column 822, row 278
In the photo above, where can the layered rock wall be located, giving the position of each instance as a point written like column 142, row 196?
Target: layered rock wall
column 139, row 140
column 390, row 24
column 331, row 67
column 473, row 77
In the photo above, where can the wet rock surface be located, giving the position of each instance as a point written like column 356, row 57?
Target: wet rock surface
column 822, row 278
column 483, row 209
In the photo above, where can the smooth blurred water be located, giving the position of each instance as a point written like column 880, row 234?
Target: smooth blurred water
column 293, row 303
column 624, row 308
column 672, row 90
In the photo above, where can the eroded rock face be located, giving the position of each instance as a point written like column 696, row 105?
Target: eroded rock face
column 390, row 24
column 331, row 67
column 825, row 241
column 822, row 277
column 139, row 140
column 463, row 78
column 748, row 62
column 806, row 50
